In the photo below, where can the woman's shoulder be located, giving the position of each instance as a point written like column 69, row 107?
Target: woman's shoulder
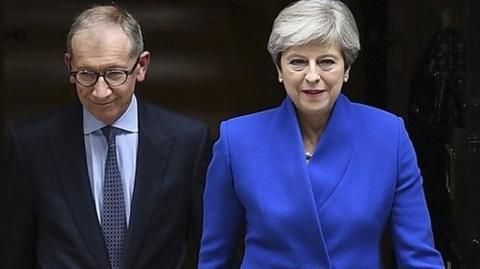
column 376, row 123
column 366, row 110
column 248, row 127
column 371, row 115
column 251, row 120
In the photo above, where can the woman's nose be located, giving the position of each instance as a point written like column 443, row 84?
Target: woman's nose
column 312, row 75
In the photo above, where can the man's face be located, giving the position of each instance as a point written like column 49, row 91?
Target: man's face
column 98, row 50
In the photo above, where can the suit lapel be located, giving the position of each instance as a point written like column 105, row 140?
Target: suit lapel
column 291, row 179
column 310, row 186
column 69, row 156
column 154, row 148
column 333, row 153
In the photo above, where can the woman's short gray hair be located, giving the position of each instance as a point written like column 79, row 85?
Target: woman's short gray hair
column 101, row 15
column 305, row 21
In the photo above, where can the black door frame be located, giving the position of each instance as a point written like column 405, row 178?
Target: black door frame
column 469, row 227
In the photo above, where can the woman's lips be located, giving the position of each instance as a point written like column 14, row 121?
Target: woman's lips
column 313, row 92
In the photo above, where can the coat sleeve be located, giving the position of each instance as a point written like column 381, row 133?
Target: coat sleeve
column 18, row 220
column 410, row 222
column 223, row 211
column 196, row 204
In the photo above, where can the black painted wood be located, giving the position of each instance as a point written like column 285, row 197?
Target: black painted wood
column 375, row 42
column 2, row 89
column 470, row 225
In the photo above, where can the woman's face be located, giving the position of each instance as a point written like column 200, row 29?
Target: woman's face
column 313, row 76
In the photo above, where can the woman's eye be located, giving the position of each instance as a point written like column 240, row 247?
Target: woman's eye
column 327, row 62
column 297, row 62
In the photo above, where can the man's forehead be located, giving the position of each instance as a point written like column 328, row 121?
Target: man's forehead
column 101, row 34
column 100, row 48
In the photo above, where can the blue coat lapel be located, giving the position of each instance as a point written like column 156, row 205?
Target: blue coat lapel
column 306, row 188
column 333, row 153
column 291, row 192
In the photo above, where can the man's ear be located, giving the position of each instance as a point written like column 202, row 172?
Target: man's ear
column 67, row 58
column 143, row 62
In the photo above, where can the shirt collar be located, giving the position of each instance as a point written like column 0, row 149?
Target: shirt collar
column 128, row 121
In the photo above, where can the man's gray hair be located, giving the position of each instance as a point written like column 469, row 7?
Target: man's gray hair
column 327, row 21
column 104, row 15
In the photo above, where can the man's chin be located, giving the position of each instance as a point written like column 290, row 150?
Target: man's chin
column 107, row 117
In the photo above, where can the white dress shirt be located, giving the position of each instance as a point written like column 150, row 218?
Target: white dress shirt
column 96, row 153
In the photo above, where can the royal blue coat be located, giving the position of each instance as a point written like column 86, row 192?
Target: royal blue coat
column 363, row 179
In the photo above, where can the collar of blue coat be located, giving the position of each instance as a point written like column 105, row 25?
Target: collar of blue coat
column 338, row 135
column 332, row 154
column 272, row 179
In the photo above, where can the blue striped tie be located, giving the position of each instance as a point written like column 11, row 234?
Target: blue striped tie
column 114, row 218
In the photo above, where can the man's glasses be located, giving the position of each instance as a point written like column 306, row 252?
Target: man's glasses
column 113, row 77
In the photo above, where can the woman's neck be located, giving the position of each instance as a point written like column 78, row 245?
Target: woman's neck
column 312, row 127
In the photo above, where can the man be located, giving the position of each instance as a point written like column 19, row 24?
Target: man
column 112, row 181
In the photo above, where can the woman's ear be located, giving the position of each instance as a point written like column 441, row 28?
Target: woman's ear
column 280, row 73
column 346, row 75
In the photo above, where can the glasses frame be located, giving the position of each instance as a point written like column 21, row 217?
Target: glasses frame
column 104, row 73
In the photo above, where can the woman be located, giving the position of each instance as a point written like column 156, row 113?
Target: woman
column 316, row 181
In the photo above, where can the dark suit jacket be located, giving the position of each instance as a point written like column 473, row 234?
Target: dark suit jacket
column 50, row 218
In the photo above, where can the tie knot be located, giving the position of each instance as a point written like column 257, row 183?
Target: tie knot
column 109, row 132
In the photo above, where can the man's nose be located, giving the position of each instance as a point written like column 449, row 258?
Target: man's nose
column 101, row 88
